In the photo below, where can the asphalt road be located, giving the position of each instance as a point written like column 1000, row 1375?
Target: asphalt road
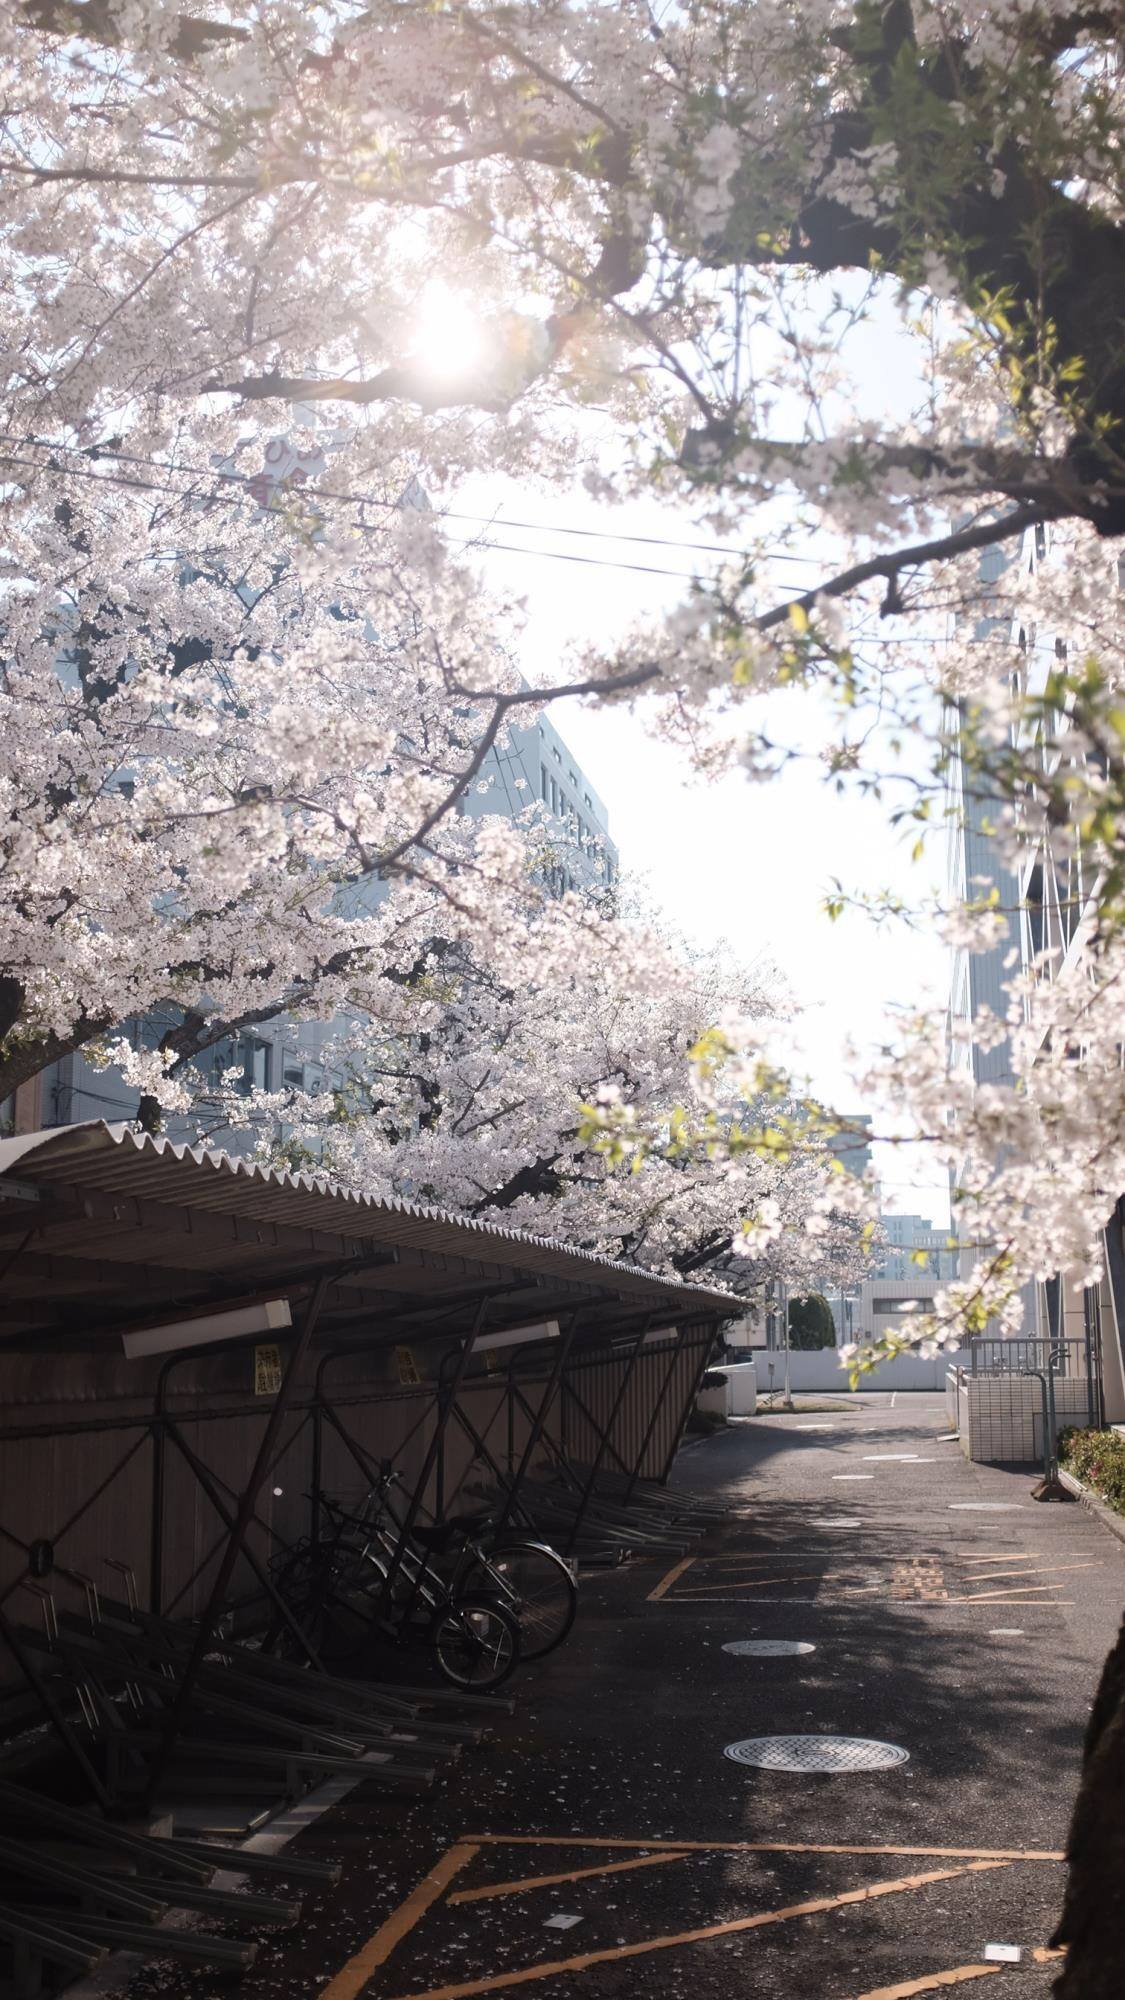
column 949, row 1615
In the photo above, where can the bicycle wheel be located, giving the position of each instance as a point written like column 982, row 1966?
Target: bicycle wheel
column 477, row 1643
column 535, row 1585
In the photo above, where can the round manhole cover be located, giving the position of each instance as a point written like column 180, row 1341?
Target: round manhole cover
column 834, row 1754
column 768, row 1649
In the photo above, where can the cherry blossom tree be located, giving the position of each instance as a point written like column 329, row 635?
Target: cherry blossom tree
column 672, row 237
column 483, row 1095
column 694, row 223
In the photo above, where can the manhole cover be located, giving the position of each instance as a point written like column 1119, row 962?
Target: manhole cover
column 768, row 1649
column 816, row 1753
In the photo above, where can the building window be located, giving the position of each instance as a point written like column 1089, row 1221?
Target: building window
column 255, row 1058
column 249, row 1057
column 544, row 784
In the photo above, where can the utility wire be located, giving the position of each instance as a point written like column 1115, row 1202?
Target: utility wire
column 97, row 452
column 452, row 514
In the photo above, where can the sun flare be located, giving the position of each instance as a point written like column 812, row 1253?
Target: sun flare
column 450, row 339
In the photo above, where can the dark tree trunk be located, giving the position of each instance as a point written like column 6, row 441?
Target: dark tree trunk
column 1092, row 1925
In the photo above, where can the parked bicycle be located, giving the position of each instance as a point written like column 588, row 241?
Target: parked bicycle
column 342, row 1585
column 477, row 1555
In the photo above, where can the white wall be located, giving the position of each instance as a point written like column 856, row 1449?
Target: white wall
column 820, row 1371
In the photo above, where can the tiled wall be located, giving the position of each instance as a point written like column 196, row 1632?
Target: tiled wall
column 1000, row 1417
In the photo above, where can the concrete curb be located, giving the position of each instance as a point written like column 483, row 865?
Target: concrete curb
column 1115, row 1523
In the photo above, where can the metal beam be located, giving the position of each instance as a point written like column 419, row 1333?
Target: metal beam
column 707, row 1349
column 604, row 1436
column 537, row 1428
column 446, row 1398
column 570, row 1390
column 205, row 1630
column 657, row 1406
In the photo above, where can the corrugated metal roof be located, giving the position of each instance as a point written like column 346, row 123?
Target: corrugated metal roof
column 132, row 1212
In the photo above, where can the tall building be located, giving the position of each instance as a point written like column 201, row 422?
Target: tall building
column 536, row 765
column 975, row 870
column 851, row 1146
column 1045, row 899
column 916, row 1248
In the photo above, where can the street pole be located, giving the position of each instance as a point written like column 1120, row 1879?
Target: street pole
column 785, row 1336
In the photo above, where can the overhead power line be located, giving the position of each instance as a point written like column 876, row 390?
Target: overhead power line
column 97, row 453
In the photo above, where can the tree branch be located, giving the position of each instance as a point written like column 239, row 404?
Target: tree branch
column 98, row 21
column 961, row 542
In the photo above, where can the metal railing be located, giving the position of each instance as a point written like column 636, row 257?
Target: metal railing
column 1019, row 1357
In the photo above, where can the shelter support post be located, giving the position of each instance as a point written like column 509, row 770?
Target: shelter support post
column 446, row 1397
column 226, row 1516
column 654, row 1414
column 479, row 1442
column 156, row 1532
column 604, row 1438
column 555, row 1450
column 707, row 1348
column 586, row 1412
column 536, row 1432
column 205, row 1630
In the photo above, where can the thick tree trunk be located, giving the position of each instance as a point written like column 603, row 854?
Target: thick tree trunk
column 1092, row 1925
column 22, row 1058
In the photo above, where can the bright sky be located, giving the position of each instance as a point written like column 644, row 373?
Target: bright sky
column 730, row 860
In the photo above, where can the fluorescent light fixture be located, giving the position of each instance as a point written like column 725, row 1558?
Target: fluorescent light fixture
column 747, row 1332
column 517, row 1336
column 200, row 1332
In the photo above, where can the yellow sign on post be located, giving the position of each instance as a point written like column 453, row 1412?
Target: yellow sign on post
column 267, row 1371
column 407, row 1366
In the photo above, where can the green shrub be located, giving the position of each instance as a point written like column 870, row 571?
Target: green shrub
column 811, row 1324
column 1097, row 1458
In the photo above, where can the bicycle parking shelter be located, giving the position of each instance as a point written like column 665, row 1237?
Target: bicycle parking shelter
column 451, row 1349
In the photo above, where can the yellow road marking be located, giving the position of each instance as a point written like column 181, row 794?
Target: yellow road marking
column 805, row 1555
column 1048, row 1569
column 353, row 1976
column 666, row 1582
column 759, row 1847
column 1011, row 1555
column 1023, row 1593
column 930, row 1982
column 925, row 1603
column 573, row 1875
column 760, row 1583
column 531, row 1973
